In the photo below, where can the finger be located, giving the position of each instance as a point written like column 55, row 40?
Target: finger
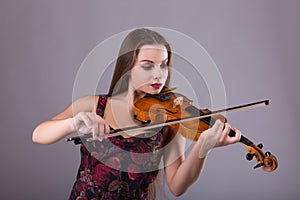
column 238, row 135
column 101, row 129
column 107, row 129
column 88, row 120
column 236, row 138
column 217, row 125
column 101, row 124
column 226, row 129
column 93, row 124
column 94, row 119
column 105, row 132
column 220, row 126
column 224, row 134
column 97, row 133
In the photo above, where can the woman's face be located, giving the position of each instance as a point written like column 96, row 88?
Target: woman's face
column 150, row 70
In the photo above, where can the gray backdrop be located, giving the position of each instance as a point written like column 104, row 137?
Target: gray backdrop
column 254, row 43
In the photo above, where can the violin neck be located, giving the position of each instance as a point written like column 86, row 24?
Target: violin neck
column 243, row 139
column 246, row 141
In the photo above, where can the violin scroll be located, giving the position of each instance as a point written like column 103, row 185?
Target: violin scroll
column 266, row 161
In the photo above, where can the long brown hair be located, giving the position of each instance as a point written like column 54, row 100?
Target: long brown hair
column 128, row 53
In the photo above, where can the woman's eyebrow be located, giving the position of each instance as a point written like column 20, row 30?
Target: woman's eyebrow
column 150, row 61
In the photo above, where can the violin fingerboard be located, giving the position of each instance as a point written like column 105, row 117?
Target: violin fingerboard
column 196, row 112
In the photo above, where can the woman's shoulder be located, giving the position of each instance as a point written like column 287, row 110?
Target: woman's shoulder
column 82, row 104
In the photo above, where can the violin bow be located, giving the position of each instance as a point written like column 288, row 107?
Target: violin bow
column 133, row 131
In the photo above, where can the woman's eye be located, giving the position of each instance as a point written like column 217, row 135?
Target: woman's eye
column 164, row 65
column 147, row 67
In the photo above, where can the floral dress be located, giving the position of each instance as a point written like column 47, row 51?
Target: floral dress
column 117, row 168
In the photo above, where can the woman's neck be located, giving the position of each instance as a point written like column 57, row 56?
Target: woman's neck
column 132, row 95
column 128, row 98
column 121, row 108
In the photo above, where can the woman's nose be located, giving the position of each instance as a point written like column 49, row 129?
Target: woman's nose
column 157, row 73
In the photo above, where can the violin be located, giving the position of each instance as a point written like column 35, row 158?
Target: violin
column 176, row 110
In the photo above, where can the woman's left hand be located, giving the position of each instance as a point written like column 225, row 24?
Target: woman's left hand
column 225, row 139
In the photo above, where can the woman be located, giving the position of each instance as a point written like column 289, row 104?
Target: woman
column 119, row 168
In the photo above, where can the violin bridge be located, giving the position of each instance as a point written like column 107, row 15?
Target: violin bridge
column 177, row 102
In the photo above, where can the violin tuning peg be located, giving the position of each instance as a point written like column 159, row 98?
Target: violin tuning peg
column 77, row 142
column 258, row 165
column 260, row 146
column 249, row 156
column 268, row 153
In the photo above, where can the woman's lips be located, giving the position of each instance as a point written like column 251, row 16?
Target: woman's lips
column 156, row 85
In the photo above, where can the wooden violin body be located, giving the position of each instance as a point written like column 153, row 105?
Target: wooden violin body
column 172, row 106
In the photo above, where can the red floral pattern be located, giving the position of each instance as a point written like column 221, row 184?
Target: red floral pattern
column 117, row 168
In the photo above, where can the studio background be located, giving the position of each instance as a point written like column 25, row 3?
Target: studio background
column 255, row 45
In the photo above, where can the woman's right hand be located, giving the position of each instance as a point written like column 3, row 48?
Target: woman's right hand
column 217, row 135
column 90, row 122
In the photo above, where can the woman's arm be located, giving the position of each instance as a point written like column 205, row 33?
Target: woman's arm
column 182, row 172
column 63, row 124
